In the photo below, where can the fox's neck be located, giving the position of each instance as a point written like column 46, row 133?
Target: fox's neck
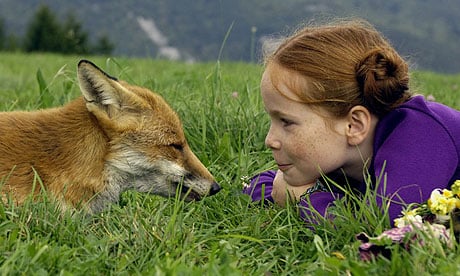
column 114, row 185
column 101, row 184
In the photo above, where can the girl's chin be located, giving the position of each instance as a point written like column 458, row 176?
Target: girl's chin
column 294, row 181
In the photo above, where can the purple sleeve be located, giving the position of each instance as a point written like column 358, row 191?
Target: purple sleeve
column 415, row 159
column 316, row 204
column 261, row 187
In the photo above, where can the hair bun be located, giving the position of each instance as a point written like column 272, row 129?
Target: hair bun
column 383, row 80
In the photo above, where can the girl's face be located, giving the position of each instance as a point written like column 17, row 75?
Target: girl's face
column 304, row 143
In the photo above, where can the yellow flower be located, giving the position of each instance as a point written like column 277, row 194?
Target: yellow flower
column 412, row 212
column 451, row 204
column 457, row 203
column 440, row 204
column 456, row 188
column 409, row 217
column 447, row 193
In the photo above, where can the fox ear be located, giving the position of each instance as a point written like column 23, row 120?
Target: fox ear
column 103, row 93
column 98, row 88
column 106, row 98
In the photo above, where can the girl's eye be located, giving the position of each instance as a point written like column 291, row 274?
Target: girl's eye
column 286, row 122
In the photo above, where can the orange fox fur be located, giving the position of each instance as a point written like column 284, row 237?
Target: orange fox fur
column 113, row 138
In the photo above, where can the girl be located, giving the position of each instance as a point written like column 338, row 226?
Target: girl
column 339, row 103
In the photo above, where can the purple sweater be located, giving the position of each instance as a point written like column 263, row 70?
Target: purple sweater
column 416, row 148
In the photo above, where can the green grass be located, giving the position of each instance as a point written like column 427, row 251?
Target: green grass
column 222, row 235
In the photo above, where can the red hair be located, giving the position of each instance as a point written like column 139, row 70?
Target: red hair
column 345, row 64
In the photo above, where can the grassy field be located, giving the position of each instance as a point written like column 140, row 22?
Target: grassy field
column 225, row 234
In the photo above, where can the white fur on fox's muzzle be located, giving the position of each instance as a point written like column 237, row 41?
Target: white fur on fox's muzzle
column 161, row 177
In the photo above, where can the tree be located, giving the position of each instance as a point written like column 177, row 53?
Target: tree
column 43, row 33
column 103, row 46
column 74, row 39
column 46, row 34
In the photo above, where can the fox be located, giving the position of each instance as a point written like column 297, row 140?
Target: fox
column 114, row 137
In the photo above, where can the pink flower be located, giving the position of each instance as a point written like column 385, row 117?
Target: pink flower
column 430, row 98
column 405, row 236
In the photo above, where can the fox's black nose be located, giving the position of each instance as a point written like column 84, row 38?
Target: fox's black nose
column 215, row 188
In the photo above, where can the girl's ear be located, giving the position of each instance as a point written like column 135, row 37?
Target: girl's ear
column 359, row 125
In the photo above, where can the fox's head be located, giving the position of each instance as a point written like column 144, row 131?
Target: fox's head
column 147, row 149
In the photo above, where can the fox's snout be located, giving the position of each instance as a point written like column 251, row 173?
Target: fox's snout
column 215, row 188
column 198, row 181
column 189, row 194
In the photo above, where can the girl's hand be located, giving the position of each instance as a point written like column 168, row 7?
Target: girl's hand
column 282, row 191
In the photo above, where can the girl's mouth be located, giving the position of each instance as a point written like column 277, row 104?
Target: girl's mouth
column 284, row 167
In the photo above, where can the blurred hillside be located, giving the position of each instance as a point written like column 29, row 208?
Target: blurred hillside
column 426, row 32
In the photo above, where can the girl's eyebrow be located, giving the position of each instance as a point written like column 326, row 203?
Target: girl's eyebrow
column 279, row 113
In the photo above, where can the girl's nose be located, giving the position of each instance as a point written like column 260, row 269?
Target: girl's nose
column 271, row 141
